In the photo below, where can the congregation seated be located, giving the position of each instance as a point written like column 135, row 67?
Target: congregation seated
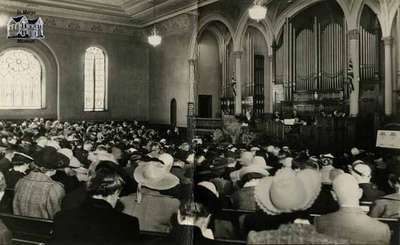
column 169, row 186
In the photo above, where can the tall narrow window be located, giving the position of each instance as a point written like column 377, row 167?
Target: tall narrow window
column 95, row 80
column 20, row 80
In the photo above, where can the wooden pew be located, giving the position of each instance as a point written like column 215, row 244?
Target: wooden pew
column 28, row 230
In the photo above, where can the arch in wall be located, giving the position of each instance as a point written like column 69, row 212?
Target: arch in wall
column 51, row 70
column 264, row 26
column 297, row 8
column 214, row 17
column 375, row 8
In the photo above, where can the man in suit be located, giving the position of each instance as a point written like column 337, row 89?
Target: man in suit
column 350, row 222
column 97, row 221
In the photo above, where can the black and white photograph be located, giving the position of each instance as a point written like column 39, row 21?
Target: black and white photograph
column 199, row 122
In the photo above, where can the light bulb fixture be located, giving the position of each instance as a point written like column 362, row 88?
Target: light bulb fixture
column 257, row 11
column 154, row 39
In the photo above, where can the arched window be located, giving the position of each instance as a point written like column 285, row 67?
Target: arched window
column 95, row 80
column 21, row 79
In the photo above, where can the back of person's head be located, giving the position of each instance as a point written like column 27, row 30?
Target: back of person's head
column 361, row 171
column 105, row 180
column 346, row 191
column 190, row 208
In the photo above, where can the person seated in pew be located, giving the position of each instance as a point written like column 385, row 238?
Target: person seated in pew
column 5, row 233
column 37, row 194
column 21, row 163
column 194, row 220
column 153, row 209
column 351, row 222
column 283, row 198
column 389, row 206
column 363, row 174
column 250, row 177
column 97, row 221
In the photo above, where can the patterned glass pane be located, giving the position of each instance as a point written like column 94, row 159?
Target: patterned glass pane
column 95, row 80
column 20, row 80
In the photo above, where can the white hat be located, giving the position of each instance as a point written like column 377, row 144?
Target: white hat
column 288, row 191
column 53, row 144
column 167, row 159
column 42, row 141
column 246, row 158
column 73, row 161
column 154, row 176
column 253, row 169
column 210, row 186
column 260, row 162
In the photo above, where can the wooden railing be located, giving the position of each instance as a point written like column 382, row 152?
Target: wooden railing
column 203, row 126
column 327, row 134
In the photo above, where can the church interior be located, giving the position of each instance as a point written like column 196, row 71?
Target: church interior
column 271, row 116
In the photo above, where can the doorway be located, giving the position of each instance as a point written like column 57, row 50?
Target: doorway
column 205, row 106
column 172, row 111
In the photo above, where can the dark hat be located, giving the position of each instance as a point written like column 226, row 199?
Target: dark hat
column 20, row 158
column 130, row 185
column 208, row 198
column 49, row 158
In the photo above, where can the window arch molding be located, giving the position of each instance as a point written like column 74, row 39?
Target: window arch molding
column 43, row 77
column 50, row 80
column 94, row 108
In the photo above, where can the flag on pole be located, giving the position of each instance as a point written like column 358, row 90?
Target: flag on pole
column 233, row 84
column 350, row 75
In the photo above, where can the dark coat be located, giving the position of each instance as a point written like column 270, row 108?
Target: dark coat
column 370, row 192
column 95, row 222
column 12, row 178
column 5, row 165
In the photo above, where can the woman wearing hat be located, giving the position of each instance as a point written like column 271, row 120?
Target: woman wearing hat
column 99, row 221
column 20, row 169
column 194, row 219
column 283, row 198
column 249, row 178
column 153, row 209
column 37, row 194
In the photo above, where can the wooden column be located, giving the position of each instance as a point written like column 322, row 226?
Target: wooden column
column 388, row 41
column 238, row 87
column 354, row 43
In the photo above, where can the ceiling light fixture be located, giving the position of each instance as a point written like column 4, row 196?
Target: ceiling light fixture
column 257, row 11
column 154, row 39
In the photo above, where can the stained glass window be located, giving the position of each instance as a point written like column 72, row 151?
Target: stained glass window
column 20, row 80
column 95, row 80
